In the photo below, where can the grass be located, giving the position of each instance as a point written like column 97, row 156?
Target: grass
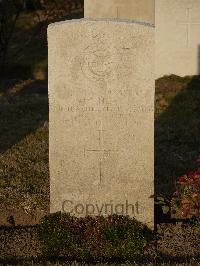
column 177, row 129
column 24, row 146
column 32, row 263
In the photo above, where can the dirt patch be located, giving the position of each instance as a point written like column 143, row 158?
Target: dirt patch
column 18, row 243
column 179, row 240
column 18, row 217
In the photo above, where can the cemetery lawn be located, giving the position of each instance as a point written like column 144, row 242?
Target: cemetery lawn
column 177, row 129
column 24, row 174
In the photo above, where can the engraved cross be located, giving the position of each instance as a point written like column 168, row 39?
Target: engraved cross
column 101, row 151
column 189, row 23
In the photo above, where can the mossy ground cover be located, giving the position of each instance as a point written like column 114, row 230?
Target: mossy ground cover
column 112, row 238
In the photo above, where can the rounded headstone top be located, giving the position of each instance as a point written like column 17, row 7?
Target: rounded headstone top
column 108, row 20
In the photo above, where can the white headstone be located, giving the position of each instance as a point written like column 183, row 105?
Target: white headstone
column 177, row 37
column 142, row 10
column 177, row 29
column 101, row 98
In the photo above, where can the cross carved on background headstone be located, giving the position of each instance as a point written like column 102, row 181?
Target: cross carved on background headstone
column 189, row 24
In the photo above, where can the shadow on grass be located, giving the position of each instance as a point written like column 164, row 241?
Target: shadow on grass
column 177, row 130
column 22, row 112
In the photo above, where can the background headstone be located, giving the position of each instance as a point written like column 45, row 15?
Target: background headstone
column 177, row 37
column 177, row 29
column 101, row 97
column 142, row 10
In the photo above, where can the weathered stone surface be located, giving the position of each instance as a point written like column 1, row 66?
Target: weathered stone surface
column 177, row 29
column 101, row 97
column 142, row 10
column 177, row 37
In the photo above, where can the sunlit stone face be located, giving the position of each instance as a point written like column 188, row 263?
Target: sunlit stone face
column 101, row 100
column 141, row 10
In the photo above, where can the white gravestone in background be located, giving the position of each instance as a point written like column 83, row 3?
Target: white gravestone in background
column 101, row 99
column 177, row 37
column 177, row 29
column 142, row 10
